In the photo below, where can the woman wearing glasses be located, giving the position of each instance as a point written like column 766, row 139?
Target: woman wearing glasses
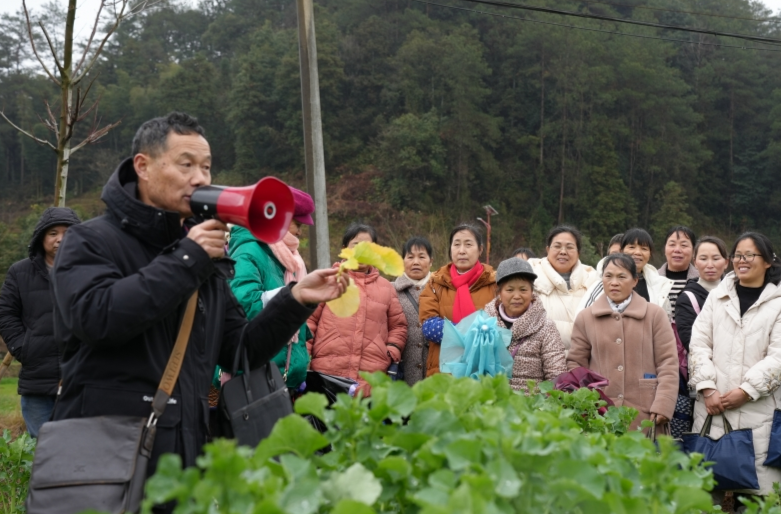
column 562, row 279
column 735, row 350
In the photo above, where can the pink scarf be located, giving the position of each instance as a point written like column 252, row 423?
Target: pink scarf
column 463, row 305
column 286, row 252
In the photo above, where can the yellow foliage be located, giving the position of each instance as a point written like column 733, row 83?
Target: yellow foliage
column 385, row 259
column 347, row 304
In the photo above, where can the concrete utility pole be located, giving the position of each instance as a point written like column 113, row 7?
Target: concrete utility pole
column 319, row 242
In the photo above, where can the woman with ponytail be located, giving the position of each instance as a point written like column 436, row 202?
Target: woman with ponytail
column 456, row 290
column 735, row 350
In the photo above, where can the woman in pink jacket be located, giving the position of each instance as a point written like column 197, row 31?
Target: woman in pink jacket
column 371, row 339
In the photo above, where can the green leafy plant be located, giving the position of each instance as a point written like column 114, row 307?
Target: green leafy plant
column 16, row 463
column 444, row 446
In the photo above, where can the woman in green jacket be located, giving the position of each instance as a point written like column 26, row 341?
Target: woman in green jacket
column 262, row 269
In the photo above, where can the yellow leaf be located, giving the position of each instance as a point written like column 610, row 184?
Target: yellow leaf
column 347, row 304
column 383, row 258
column 348, row 254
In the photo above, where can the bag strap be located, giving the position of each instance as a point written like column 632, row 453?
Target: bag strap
column 412, row 299
column 174, row 366
column 693, row 299
column 287, row 361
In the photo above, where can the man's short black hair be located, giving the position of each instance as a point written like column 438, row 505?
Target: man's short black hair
column 152, row 135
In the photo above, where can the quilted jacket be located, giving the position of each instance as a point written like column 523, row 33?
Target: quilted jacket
column 367, row 340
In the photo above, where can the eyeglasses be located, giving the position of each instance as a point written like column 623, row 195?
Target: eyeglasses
column 568, row 248
column 748, row 257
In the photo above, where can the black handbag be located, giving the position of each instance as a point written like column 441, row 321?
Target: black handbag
column 100, row 463
column 251, row 403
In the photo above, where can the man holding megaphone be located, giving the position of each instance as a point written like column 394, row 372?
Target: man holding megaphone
column 121, row 284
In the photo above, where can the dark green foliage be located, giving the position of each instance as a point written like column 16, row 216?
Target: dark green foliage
column 448, row 110
column 445, row 446
column 16, row 463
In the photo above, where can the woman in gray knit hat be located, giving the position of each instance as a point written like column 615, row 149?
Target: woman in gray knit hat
column 536, row 347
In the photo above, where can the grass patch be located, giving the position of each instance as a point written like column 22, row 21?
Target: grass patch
column 10, row 407
column 9, row 400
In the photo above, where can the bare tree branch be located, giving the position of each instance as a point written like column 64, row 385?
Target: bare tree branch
column 109, row 32
column 22, row 131
column 51, row 122
column 32, row 43
column 91, row 37
column 52, row 49
column 94, row 134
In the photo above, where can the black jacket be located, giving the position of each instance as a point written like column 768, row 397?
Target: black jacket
column 26, row 312
column 684, row 310
column 120, row 284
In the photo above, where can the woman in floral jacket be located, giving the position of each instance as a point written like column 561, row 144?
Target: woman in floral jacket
column 536, row 347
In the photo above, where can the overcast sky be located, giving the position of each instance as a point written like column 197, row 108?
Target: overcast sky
column 87, row 8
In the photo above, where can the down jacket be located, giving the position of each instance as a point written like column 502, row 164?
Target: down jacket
column 536, row 347
column 369, row 340
column 26, row 312
column 120, row 284
column 727, row 352
column 438, row 297
column 624, row 348
column 416, row 350
column 561, row 303
column 258, row 271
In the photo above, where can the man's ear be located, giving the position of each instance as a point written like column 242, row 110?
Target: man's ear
column 141, row 163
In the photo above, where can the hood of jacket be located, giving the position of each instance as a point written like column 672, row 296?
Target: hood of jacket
column 51, row 217
column 442, row 277
column 403, row 282
column 728, row 289
column 530, row 321
column 549, row 279
column 656, row 282
column 155, row 227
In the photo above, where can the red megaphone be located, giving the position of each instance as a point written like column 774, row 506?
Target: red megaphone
column 265, row 209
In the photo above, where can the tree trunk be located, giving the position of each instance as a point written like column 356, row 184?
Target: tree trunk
column 542, row 108
column 66, row 100
column 563, row 159
column 731, row 153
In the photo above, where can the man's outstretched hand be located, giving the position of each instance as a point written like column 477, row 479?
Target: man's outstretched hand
column 320, row 286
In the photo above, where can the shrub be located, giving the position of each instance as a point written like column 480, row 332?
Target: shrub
column 445, row 446
column 16, row 463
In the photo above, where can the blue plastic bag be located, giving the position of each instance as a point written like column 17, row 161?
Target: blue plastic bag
column 476, row 346
column 733, row 454
column 774, row 450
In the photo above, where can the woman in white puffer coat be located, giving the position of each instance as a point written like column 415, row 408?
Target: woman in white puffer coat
column 735, row 350
column 562, row 279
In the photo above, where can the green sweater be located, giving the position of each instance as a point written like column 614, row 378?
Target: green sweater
column 258, row 271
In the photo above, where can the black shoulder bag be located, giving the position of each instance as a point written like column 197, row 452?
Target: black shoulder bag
column 251, row 403
column 100, row 463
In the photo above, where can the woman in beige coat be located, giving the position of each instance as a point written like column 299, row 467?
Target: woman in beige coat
column 562, row 280
column 630, row 342
column 735, row 350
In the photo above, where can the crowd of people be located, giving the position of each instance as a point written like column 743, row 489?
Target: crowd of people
column 93, row 327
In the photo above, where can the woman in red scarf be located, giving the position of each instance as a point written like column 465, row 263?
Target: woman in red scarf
column 456, row 290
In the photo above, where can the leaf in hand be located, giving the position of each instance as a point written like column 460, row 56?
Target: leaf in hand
column 347, row 304
column 385, row 259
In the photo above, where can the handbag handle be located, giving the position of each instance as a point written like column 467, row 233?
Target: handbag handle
column 709, row 420
column 174, row 366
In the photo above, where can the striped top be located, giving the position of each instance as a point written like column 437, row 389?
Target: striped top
column 679, row 279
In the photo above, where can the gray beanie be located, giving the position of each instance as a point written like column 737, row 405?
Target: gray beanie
column 515, row 266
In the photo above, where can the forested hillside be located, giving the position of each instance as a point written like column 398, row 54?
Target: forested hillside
column 431, row 112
